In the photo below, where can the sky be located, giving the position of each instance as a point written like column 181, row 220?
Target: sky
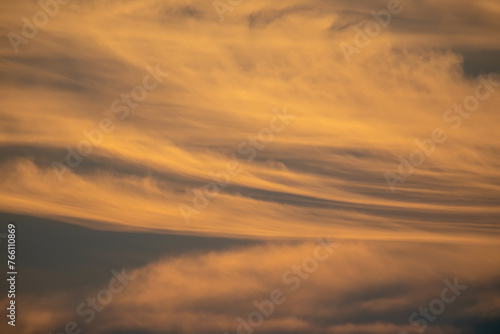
column 216, row 150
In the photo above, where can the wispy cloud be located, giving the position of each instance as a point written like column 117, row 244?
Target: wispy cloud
column 324, row 174
column 360, row 288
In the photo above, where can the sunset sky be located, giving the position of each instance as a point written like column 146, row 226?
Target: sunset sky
column 203, row 147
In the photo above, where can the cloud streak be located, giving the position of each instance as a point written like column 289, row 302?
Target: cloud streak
column 323, row 174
